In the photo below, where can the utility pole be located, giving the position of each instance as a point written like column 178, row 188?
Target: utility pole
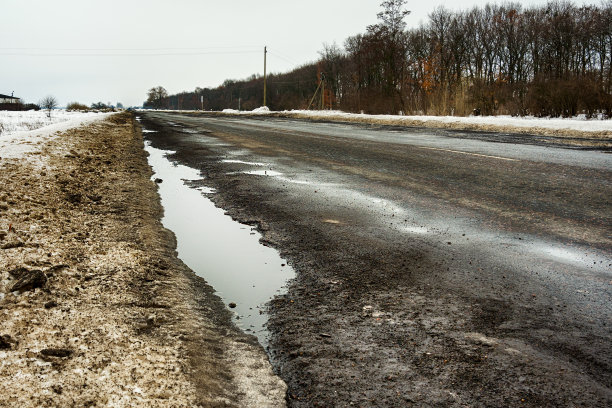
column 314, row 96
column 265, row 53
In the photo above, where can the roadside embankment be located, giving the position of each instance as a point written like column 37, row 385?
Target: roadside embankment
column 572, row 132
column 95, row 307
column 577, row 132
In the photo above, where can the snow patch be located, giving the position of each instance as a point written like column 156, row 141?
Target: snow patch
column 11, row 122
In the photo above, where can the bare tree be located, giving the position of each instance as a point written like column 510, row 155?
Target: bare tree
column 156, row 95
column 49, row 103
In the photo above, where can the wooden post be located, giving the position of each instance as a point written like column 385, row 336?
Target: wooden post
column 322, row 91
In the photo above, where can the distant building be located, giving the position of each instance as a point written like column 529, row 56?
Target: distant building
column 8, row 99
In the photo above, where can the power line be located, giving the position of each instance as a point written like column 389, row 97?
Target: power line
column 284, row 58
column 249, row 47
column 125, row 52
column 157, row 54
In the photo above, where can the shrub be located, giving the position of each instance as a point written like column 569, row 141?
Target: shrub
column 75, row 106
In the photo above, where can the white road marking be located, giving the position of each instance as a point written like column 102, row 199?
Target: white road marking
column 472, row 154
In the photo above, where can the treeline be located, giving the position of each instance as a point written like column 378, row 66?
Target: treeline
column 284, row 91
column 500, row 59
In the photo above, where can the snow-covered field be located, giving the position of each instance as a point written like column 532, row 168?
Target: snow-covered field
column 11, row 122
column 25, row 132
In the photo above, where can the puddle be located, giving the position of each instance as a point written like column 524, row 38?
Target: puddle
column 302, row 182
column 244, row 162
column 264, row 173
column 574, row 256
column 148, row 131
column 329, row 221
column 415, row 230
column 206, row 190
column 225, row 253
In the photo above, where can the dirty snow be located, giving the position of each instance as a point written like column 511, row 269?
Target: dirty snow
column 495, row 123
column 576, row 123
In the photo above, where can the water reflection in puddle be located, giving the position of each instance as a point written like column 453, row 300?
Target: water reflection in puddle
column 225, row 253
column 206, row 190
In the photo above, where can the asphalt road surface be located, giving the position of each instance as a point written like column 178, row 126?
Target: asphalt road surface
column 434, row 267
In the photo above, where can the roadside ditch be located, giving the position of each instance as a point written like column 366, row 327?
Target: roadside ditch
column 96, row 309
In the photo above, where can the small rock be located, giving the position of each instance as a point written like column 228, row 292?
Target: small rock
column 29, row 281
column 56, row 268
column 13, row 244
column 326, row 335
column 367, row 310
column 5, row 342
column 232, row 305
column 18, row 272
column 159, row 181
column 50, row 304
column 56, row 352
column 74, row 198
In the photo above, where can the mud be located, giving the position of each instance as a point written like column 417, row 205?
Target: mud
column 95, row 307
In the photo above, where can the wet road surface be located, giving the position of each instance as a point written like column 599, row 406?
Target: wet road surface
column 433, row 267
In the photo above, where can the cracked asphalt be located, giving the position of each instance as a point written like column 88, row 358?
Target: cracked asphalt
column 434, row 267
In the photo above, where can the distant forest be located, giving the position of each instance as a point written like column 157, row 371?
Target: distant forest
column 552, row 60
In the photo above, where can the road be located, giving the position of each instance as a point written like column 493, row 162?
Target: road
column 434, row 267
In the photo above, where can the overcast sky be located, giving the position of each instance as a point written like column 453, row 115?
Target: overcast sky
column 115, row 50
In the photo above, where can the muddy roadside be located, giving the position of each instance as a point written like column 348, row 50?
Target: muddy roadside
column 95, row 307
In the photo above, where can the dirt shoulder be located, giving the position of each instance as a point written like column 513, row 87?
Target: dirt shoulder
column 95, row 307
